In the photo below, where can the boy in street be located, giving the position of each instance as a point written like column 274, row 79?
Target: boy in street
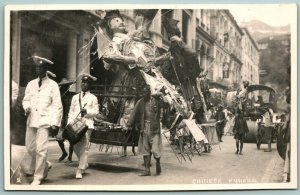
column 84, row 105
column 146, row 117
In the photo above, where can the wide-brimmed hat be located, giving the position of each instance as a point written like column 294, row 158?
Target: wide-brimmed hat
column 65, row 81
column 41, row 61
column 88, row 78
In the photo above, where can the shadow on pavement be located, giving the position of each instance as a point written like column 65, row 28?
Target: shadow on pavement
column 111, row 168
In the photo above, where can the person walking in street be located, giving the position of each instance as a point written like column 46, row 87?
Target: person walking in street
column 265, row 130
column 221, row 120
column 66, row 97
column 240, row 128
column 146, row 117
column 86, row 104
column 42, row 105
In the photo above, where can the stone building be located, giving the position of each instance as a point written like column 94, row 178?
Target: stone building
column 250, row 59
column 228, row 35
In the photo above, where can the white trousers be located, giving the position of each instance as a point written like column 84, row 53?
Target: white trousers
column 81, row 151
column 36, row 142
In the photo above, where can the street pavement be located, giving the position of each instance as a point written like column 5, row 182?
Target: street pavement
column 221, row 166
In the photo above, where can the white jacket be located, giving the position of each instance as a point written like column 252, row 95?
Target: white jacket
column 90, row 103
column 45, row 103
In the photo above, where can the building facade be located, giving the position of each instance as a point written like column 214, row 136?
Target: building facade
column 250, row 58
column 228, row 35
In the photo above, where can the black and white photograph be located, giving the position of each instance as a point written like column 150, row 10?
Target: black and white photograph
column 150, row 97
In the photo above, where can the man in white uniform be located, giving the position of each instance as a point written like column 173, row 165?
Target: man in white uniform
column 42, row 105
column 84, row 105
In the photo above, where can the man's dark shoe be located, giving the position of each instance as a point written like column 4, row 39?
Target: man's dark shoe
column 63, row 156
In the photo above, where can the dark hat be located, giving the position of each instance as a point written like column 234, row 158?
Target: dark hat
column 41, row 61
column 65, row 81
column 88, row 78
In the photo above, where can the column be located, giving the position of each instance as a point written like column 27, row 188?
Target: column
column 192, row 29
column 83, row 58
column 71, row 58
column 15, row 46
